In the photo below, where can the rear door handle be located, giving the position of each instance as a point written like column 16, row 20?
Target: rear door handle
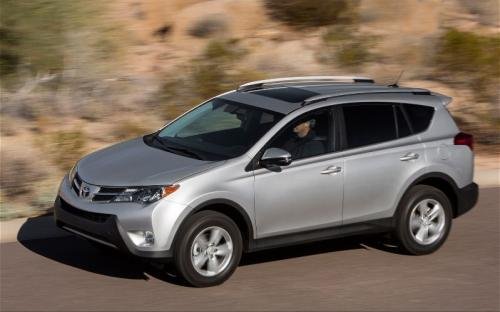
column 332, row 169
column 409, row 156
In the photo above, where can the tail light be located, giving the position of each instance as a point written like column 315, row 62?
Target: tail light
column 464, row 139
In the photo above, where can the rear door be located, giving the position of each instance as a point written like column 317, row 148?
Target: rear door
column 381, row 153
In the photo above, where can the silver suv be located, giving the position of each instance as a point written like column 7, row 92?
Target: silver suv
column 273, row 163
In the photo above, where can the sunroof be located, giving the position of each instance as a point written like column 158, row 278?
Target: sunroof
column 287, row 94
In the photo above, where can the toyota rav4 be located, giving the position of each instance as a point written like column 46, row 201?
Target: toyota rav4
column 277, row 162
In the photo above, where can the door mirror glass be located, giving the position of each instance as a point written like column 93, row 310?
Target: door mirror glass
column 275, row 157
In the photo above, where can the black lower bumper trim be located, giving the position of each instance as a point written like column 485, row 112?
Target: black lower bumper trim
column 102, row 228
column 467, row 198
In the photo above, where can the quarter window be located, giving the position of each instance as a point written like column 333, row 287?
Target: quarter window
column 420, row 116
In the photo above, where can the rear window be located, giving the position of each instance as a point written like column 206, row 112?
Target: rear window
column 420, row 116
column 367, row 124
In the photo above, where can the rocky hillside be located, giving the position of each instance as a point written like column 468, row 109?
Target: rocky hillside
column 78, row 75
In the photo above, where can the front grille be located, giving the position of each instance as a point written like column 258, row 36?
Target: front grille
column 91, row 216
column 76, row 183
column 99, row 194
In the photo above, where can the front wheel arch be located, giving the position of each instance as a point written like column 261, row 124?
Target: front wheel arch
column 231, row 209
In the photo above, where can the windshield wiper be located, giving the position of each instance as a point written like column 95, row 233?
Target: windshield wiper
column 185, row 151
column 173, row 149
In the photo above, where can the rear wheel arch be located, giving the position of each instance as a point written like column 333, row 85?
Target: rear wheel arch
column 231, row 209
column 442, row 182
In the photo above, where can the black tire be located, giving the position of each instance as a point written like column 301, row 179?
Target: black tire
column 195, row 225
column 409, row 201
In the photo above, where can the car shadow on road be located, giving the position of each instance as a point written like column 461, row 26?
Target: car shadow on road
column 41, row 236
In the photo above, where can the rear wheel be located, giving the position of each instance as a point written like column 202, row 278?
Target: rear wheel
column 208, row 250
column 423, row 220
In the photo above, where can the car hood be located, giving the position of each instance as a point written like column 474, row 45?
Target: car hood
column 133, row 163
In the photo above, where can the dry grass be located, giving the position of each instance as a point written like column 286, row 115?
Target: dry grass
column 19, row 171
column 128, row 129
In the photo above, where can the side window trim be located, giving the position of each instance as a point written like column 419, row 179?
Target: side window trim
column 396, row 121
column 407, row 118
column 341, row 128
column 331, row 148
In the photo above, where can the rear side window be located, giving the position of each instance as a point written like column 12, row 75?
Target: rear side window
column 367, row 124
column 420, row 116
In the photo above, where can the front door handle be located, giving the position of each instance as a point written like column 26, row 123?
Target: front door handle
column 332, row 169
column 409, row 156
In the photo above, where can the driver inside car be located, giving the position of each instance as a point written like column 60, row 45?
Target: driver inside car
column 304, row 142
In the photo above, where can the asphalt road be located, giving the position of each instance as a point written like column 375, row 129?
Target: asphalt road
column 362, row 273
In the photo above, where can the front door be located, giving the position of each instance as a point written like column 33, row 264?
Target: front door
column 307, row 194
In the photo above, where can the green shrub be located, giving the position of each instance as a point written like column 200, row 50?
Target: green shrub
column 312, row 13
column 43, row 36
column 222, row 51
column 353, row 54
column 208, row 79
column 69, row 147
column 345, row 48
column 64, row 147
column 470, row 58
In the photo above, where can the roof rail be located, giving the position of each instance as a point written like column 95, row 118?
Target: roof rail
column 324, row 97
column 259, row 84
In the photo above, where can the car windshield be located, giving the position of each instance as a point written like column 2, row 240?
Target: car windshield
column 216, row 130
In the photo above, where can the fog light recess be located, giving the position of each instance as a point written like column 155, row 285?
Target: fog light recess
column 142, row 238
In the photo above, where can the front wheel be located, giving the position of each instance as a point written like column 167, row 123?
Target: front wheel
column 208, row 250
column 423, row 220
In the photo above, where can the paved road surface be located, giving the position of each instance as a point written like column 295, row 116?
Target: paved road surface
column 66, row 273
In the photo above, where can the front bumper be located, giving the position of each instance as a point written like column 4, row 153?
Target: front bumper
column 99, row 227
column 111, row 223
column 467, row 198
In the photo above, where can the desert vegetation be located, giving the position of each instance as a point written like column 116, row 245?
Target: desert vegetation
column 76, row 76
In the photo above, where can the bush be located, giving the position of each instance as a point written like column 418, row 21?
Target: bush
column 214, row 72
column 208, row 26
column 210, row 74
column 472, row 59
column 19, row 171
column 64, row 147
column 345, row 48
column 353, row 54
column 223, row 51
column 128, row 129
column 312, row 13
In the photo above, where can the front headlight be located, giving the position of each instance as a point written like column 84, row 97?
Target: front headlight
column 147, row 194
column 72, row 173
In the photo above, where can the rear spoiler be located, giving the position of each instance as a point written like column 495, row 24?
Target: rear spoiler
column 445, row 100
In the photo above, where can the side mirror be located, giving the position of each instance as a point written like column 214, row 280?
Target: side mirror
column 275, row 157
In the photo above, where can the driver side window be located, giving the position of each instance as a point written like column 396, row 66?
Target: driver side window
column 308, row 135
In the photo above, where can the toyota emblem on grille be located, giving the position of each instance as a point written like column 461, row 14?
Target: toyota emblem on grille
column 85, row 192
